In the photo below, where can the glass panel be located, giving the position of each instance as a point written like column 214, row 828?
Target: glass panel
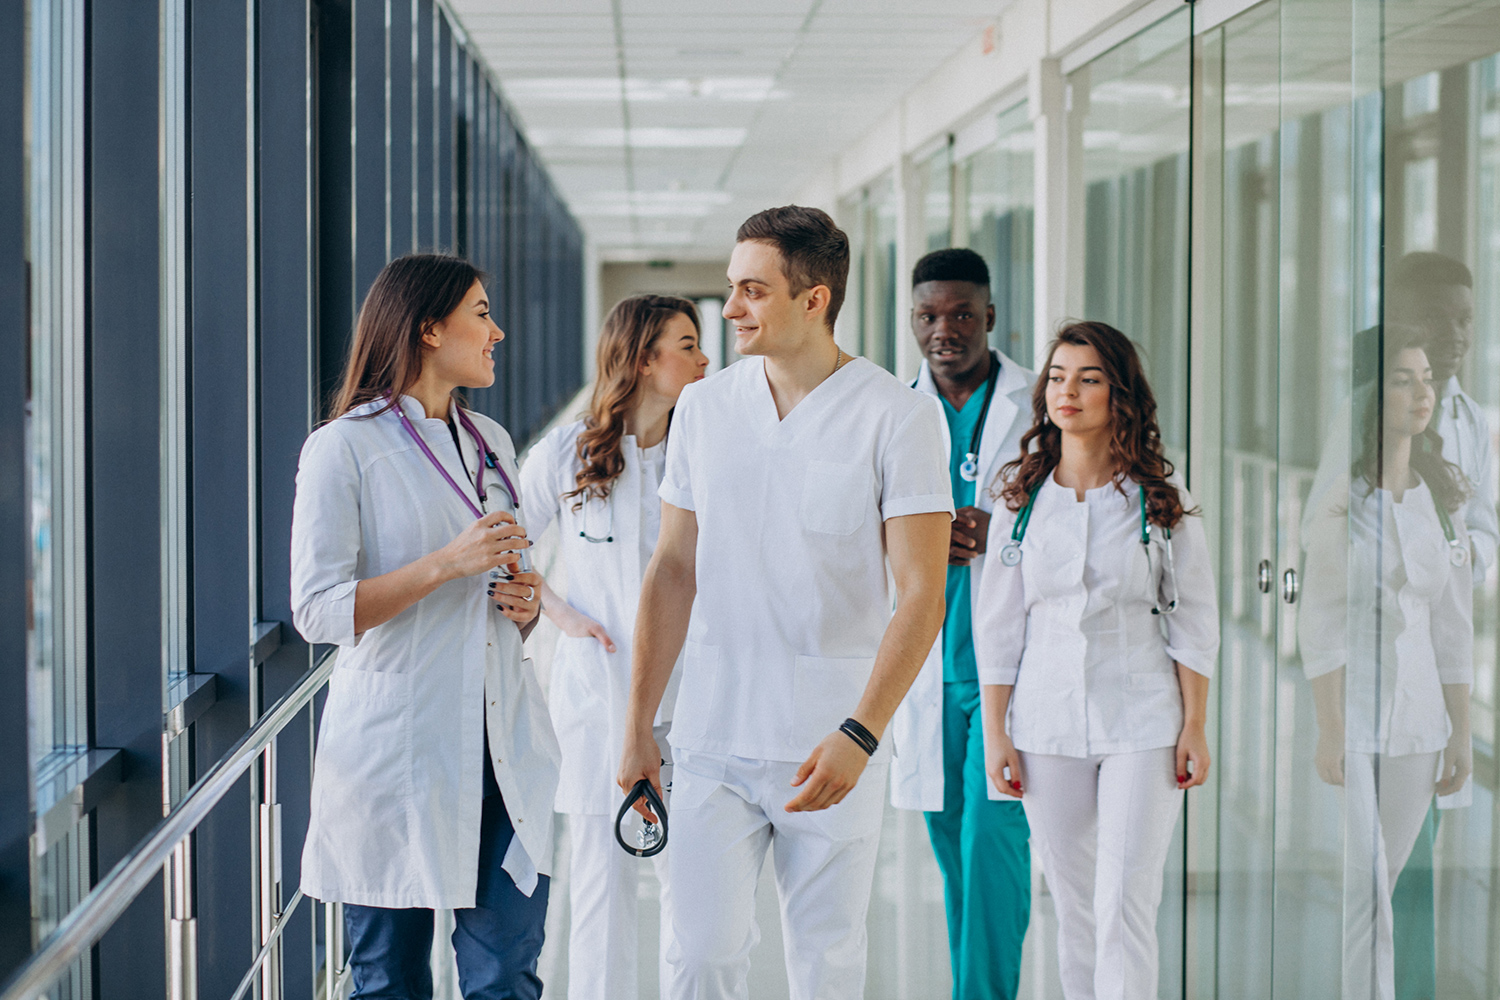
column 1237, row 63
column 998, row 200
column 935, row 185
column 880, row 273
column 1136, row 128
column 849, row 327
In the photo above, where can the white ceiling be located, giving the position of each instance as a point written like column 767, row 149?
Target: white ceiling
column 667, row 122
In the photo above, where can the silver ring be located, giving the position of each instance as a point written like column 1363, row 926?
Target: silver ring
column 531, row 596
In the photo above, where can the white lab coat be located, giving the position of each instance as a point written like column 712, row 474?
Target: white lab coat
column 398, row 783
column 1395, row 611
column 917, row 728
column 590, row 687
column 1071, row 626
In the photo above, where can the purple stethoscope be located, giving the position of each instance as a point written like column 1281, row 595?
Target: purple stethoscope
column 488, row 459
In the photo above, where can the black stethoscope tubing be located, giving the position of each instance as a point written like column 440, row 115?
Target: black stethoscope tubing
column 969, row 470
column 643, row 790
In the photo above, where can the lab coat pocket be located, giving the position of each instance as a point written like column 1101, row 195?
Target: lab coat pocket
column 824, row 693
column 364, row 758
column 834, row 497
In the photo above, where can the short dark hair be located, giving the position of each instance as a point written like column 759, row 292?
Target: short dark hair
column 814, row 251
column 1420, row 271
column 953, row 264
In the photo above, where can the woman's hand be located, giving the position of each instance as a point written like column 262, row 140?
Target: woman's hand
column 574, row 623
column 520, row 598
column 1328, row 758
column 1458, row 763
column 1002, row 762
column 491, row 541
column 1192, row 748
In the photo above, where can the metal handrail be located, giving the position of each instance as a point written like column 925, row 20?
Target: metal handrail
column 87, row 922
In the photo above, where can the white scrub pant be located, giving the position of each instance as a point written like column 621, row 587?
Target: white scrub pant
column 603, row 886
column 726, row 812
column 1385, row 803
column 1102, row 826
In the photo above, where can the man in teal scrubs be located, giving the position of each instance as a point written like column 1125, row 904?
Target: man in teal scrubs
column 980, row 842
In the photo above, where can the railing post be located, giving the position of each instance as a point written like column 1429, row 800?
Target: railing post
column 268, row 899
column 182, row 926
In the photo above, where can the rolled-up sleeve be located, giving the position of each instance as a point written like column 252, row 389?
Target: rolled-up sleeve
column 1323, row 610
column 1193, row 629
column 677, row 479
column 914, row 466
column 999, row 609
column 326, row 539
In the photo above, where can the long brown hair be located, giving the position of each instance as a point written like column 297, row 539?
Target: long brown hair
column 1450, row 488
column 408, row 295
column 626, row 342
column 1135, row 439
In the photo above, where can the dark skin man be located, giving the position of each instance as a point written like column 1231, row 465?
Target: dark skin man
column 952, row 321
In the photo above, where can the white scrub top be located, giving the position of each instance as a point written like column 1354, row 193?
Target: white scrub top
column 1071, row 626
column 1395, row 611
column 590, row 687
column 917, row 728
column 793, row 594
column 398, row 781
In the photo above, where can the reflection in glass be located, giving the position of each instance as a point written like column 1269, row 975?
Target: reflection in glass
column 1386, row 638
column 935, row 187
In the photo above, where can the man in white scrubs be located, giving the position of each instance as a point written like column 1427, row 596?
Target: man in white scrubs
column 792, row 478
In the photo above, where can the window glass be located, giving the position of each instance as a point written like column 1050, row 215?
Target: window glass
column 935, row 184
column 998, row 208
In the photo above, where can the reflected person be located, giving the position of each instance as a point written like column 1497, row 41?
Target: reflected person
column 1386, row 635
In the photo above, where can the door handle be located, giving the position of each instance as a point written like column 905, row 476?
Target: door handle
column 1263, row 576
column 1290, row 586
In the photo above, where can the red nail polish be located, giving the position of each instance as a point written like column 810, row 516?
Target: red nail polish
column 1182, row 779
column 1016, row 785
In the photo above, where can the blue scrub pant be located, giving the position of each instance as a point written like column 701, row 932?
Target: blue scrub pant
column 497, row 941
column 983, row 853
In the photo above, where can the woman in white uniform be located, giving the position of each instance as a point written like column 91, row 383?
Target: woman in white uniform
column 436, row 762
column 1096, row 631
column 598, row 478
column 1387, row 640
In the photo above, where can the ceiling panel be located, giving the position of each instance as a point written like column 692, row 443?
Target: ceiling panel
column 720, row 110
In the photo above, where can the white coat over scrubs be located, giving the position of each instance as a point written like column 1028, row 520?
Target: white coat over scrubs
column 917, row 728
column 590, row 687
column 1071, row 626
column 398, row 781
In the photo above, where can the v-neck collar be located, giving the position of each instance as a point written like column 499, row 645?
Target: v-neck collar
column 767, row 405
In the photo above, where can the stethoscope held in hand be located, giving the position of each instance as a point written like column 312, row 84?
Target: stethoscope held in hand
column 651, row 839
column 1010, row 555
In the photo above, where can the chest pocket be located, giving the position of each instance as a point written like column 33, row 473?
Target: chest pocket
column 835, row 496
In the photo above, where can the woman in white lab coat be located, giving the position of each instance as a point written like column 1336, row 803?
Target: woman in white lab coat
column 598, row 478
column 436, row 762
column 1386, row 632
column 1096, row 632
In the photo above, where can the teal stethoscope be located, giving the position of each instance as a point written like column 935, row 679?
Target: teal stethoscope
column 968, row 470
column 1011, row 554
column 1458, row 555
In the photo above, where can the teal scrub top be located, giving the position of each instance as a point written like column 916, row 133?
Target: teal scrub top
column 958, row 625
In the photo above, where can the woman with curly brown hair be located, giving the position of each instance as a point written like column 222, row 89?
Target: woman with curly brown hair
column 1096, row 631
column 598, row 477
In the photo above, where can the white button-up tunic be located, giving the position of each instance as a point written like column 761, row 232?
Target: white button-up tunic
column 1393, row 609
column 793, row 593
column 398, row 782
column 590, row 687
column 1071, row 626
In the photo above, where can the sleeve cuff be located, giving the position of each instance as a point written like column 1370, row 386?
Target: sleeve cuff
column 329, row 617
column 931, row 503
column 1198, row 661
column 1317, row 666
column 675, row 496
column 999, row 675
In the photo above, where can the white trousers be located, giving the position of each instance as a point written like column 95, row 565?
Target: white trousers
column 603, row 893
column 1385, row 803
column 1102, row 827
column 725, row 814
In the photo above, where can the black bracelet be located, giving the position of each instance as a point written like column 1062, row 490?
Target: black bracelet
column 861, row 736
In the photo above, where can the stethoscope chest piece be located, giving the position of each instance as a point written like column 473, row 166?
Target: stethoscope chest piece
column 1458, row 555
column 1010, row 555
column 968, row 470
column 651, row 838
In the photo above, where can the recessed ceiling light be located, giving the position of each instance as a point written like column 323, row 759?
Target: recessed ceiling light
column 606, row 89
column 640, row 138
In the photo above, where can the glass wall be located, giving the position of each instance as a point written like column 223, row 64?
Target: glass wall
column 934, row 179
column 995, row 196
